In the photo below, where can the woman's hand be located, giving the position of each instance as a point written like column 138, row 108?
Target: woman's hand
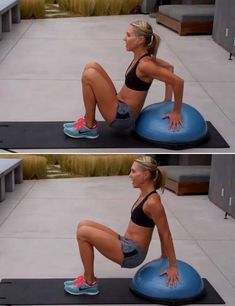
column 175, row 120
column 172, row 276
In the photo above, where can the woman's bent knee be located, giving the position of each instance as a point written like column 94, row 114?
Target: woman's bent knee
column 89, row 74
column 82, row 223
column 83, row 232
column 92, row 65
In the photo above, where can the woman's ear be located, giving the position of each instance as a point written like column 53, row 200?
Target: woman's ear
column 146, row 175
column 141, row 40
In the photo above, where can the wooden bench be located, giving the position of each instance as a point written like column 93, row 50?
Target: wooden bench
column 187, row 179
column 11, row 173
column 188, row 18
column 9, row 13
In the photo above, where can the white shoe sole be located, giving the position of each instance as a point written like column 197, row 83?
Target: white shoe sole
column 82, row 293
column 82, row 136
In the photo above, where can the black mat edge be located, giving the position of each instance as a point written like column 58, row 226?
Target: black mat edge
column 89, row 300
column 134, row 142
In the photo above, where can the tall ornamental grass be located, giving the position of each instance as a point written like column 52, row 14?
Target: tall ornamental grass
column 97, row 165
column 81, row 7
column 32, row 9
column 100, row 7
column 65, row 4
column 115, row 7
column 129, row 6
column 34, row 167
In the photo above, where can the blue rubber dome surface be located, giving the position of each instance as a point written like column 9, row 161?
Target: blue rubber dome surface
column 148, row 283
column 151, row 127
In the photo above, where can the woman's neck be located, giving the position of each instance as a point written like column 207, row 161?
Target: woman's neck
column 139, row 52
column 146, row 189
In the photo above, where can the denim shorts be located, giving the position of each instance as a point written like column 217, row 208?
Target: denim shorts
column 124, row 117
column 133, row 254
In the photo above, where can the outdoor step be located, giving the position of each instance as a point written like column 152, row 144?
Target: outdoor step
column 57, row 15
column 63, row 175
column 54, row 11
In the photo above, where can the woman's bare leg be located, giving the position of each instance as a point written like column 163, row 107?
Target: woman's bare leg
column 104, row 240
column 98, row 90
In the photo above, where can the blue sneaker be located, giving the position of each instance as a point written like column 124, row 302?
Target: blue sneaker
column 71, row 124
column 81, row 288
column 80, row 130
column 71, row 282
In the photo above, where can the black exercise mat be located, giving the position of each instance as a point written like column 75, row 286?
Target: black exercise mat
column 49, row 135
column 51, row 292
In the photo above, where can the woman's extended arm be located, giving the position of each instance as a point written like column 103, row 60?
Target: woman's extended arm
column 168, row 87
column 151, row 69
column 155, row 210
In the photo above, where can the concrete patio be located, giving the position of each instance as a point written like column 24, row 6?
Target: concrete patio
column 41, row 62
column 38, row 222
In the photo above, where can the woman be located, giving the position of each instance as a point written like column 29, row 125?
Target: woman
column 129, row 250
column 121, row 109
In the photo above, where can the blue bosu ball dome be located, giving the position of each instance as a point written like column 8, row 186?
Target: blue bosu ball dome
column 148, row 283
column 152, row 128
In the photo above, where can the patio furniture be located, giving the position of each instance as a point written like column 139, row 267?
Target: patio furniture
column 11, row 173
column 187, row 179
column 187, row 19
column 9, row 13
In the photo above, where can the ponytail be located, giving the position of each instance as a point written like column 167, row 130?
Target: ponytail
column 154, row 44
column 160, row 180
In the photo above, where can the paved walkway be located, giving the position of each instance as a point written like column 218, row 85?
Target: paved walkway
column 41, row 62
column 38, row 223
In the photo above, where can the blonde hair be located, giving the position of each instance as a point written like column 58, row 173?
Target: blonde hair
column 148, row 163
column 152, row 40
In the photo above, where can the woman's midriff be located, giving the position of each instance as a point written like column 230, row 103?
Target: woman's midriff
column 135, row 99
column 140, row 235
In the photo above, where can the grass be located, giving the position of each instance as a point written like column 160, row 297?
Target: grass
column 73, row 165
column 74, row 8
column 130, row 6
column 97, row 165
column 32, row 9
column 99, row 7
column 34, row 167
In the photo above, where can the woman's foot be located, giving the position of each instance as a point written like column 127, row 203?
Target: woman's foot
column 81, row 287
column 81, row 130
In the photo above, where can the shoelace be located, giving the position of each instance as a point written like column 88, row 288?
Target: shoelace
column 81, row 124
column 81, row 281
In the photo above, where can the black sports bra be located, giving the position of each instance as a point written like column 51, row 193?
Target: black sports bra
column 139, row 217
column 131, row 79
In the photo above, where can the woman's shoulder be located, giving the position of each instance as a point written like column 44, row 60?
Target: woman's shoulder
column 154, row 205
column 146, row 63
column 153, row 200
